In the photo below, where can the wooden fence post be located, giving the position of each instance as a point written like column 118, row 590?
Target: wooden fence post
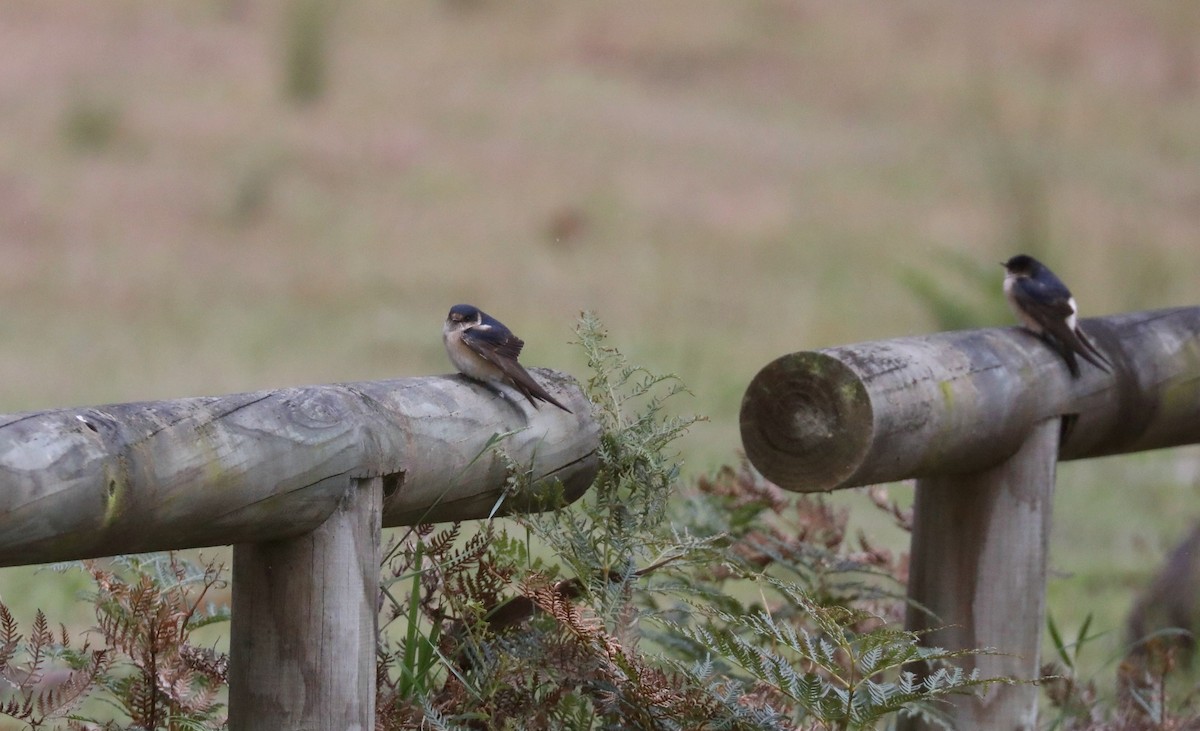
column 979, row 548
column 302, row 645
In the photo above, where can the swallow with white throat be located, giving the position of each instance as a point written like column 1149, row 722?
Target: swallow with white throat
column 1044, row 305
column 482, row 348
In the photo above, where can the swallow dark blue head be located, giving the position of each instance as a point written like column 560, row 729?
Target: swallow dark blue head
column 1049, row 285
column 1023, row 265
column 464, row 313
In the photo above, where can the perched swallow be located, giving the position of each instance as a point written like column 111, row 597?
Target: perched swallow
column 481, row 347
column 1045, row 307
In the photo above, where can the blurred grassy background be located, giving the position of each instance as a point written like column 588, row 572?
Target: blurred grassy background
column 201, row 198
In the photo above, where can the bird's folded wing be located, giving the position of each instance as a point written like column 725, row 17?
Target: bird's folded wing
column 1043, row 303
column 493, row 345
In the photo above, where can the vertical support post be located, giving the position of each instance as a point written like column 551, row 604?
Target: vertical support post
column 302, row 645
column 978, row 564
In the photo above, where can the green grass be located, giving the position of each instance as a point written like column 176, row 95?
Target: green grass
column 1114, row 521
column 750, row 179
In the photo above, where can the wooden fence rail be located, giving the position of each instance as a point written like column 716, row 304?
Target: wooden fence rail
column 300, row 481
column 980, row 418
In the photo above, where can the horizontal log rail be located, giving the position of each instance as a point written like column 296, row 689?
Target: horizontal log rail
column 980, row 418
column 963, row 401
column 300, row 481
column 127, row 478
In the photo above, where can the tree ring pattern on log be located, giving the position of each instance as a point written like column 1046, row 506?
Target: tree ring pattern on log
column 802, row 421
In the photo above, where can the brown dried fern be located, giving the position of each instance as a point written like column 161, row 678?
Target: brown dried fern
column 53, row 679
column 147, row 619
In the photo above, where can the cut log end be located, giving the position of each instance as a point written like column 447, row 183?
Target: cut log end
column 806, row 422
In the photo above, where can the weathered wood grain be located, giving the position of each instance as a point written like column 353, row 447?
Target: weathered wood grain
column 302, row 647
column 978, row 575
column 77, row 483
column 964, row 401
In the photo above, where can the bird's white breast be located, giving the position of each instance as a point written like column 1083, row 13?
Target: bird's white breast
column 1023, row 317
column 467, row 361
